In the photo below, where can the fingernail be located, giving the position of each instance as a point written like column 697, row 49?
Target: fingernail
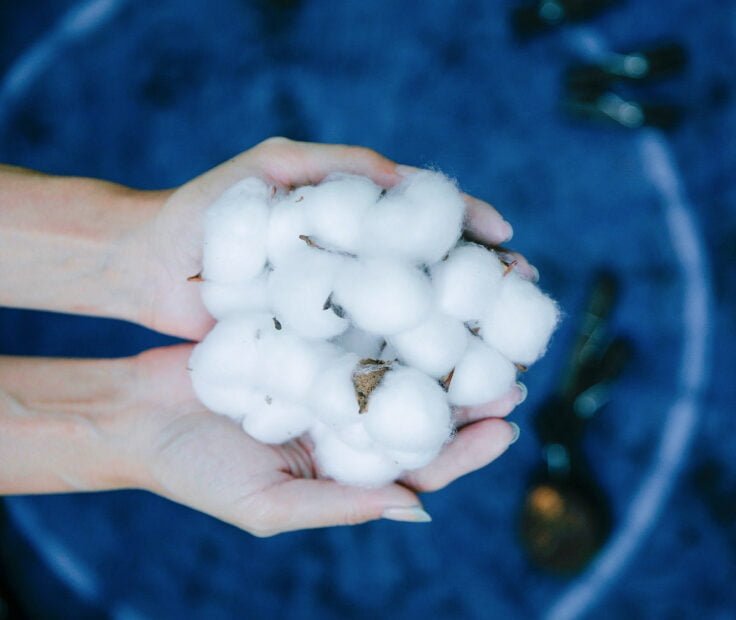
column 516, row 430
column 405, row 171
column 524, row 392
column 412, row 514
column 535, row 273
column 508, row 231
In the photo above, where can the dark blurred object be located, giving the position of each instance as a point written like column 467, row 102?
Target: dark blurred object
column 9, row 608
column 652, row 63
column 538, row 17
column 565, row 518
column 611, row 107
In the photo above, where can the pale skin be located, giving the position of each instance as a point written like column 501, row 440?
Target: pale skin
column 90, row 247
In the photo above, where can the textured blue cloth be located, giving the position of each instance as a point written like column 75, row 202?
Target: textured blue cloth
column 153, row 94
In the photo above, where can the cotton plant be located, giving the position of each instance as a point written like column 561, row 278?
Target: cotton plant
column 358, row 315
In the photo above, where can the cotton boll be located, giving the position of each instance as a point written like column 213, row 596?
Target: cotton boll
column 482, row 375
column 367, row 468
column 289, row 365
column 335, row 209
column 359, row 342
column 434, row 346
column 383, row 296
column 356, row 436
column 223, row 300
column 332, row 395
column 466, row 282
column 419, row 220
column 286, row 224
column 412, row 460
column 230, row 351
column 235, row 230
column 298, row 292
column 277, row 421
column 408, row 411
column 520, row 320
column 233, row 400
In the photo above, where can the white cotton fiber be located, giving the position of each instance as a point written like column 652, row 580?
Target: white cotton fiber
column 235, row 232
column 383, row 296
column 289, row 364
column 362, row 343
column 335, row 209
column 277, row 421
column 332, row 394
column 520, row 320
column 467, row 281
column 336, row 459
column 286, row 224
column 434, row 346
column 230, row 350
column 408, row 411
column 481, row 375
column 413, row 460
column 418, row 220
column 299, row 292
column 224, row 300
column 356, row 436
column 233, row 399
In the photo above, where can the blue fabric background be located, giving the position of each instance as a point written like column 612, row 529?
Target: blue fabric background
column 156, row 93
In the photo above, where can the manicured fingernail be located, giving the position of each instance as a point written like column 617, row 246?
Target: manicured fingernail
column 405, row 171
column 412, row 514
column 524, row 392
column 535, row 273
column 516, row 430
column 508, row 231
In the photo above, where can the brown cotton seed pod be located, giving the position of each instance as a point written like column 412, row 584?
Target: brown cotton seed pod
column 366, row 378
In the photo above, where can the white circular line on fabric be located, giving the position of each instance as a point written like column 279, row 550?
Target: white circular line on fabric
column 681, row 418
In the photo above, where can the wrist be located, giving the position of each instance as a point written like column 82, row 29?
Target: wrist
column 68, row 425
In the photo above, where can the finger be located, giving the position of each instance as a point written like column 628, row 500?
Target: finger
column 291, row 163
column 499, row 408
column 474, row 447
column 518, row 263
column 300, row 504
column 484, row 224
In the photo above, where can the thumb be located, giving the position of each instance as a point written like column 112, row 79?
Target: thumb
column 301, row 504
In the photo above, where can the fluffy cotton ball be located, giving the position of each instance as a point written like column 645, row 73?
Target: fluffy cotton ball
column 299, row 292
column 288, row 364
column 520, row 320
column 230, row 351
column 466, row 282
column 286, row 224
column 408, row 411
column 231, row 399
column 336, row 459
column 332, row 395
column 335, row 209
column 356, row 436
column 235, row 231
column 277, row 421
column 481, row 375
column 419, row 220
column 383, row 296
column 361, row 343
column 412, row 460
column 434, row 346
column 224, row 300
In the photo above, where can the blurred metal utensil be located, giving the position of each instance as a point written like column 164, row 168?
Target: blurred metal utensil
column 537, row 17
column 565, row 517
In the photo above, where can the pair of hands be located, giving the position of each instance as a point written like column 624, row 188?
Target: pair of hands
column 161, row 439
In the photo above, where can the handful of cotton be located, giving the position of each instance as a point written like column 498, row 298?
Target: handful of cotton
column 357, row 315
